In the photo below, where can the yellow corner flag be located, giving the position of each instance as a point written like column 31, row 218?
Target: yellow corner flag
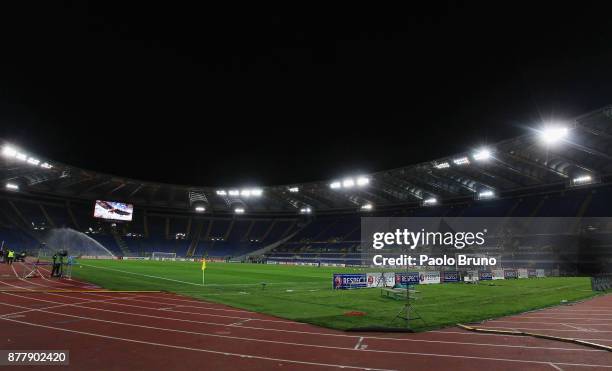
column 203, row 264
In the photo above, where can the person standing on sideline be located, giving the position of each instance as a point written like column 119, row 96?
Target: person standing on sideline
column 55, row 270
column 11, row 257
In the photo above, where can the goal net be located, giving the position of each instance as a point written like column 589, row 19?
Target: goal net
column 162, row 256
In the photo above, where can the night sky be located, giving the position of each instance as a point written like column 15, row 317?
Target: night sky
column 240, row 96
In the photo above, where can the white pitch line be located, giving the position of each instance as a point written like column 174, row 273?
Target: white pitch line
column 329, row 334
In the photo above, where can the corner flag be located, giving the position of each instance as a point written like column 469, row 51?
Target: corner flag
column 203, row 264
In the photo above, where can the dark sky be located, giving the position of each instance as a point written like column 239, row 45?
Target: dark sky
column 232, row 96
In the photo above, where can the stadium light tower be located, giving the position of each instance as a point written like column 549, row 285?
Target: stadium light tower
column 239, row 210
column 200, row 209
column 12, row 187
column 367, row 207
column 9, row 151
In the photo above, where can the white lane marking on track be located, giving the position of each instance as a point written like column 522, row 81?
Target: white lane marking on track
column 336, row 335
column 185, row 312
column 302, row 362
column 555, row 367
column 543, row 329
column 358, row 345
column 203, row 350
column 547, row 323
column 575, row 327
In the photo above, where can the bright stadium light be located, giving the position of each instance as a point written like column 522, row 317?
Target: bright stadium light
column 294, row 189
column 234, row 192
column 553, row 134
column 305, row 210
column 583, row 179
column 363, row 181
column 33, row 161
column 200, row 209
column 486, row 194
column 335, row 185
column 482, row 155
column 46, row 165
column 12, row 187
column 9, row 151
column 461, row 161
column 245, row 193
column 442, row 165
column 21, row 156
column 348, row 183
column 256, row 192
column 239, row 210
column 430, row 201
column 367, row 207
column 221, row 192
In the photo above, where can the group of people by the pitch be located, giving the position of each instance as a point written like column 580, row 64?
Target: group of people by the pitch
column 7, row 256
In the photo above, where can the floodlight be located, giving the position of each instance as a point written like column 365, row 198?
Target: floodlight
column 486, row 194
column 46, row 165
column 221, row 192
column 256, row 192
column 363, row 181
column 335, row 185
column 305, row 210
column 442, row 165
column 239, row 210
column 553, row 134
column 461, row 161
column 245, row 193
column 348, row 183
column 200, row 209
column 294, row 189
column 234, row 192
column 482, row 155
column 33, row 161
column 583, row 179
column 21, row 156
column 367, row 207
column 430, row 201
column 12, row 187
column 9, row 152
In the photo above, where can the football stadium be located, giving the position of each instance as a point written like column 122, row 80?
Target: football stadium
column 478, row 237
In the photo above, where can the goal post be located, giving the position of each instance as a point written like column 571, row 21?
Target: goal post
column 163, row 256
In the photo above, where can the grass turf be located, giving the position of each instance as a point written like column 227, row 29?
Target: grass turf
column 304, row 293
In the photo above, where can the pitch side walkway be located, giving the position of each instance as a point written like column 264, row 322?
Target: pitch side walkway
column 161, row 331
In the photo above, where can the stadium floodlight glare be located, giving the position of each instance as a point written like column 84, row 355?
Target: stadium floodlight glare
column 482, row 155
column 442, row 165
column 200, row 209
column 335, row 185
column 461, row 161
column 245, row 193
column 430, row 201
column 363, row 181
column 33, row 161
column 553, row 134
column 367, row 207
column 348, row 183
column 234, row 192
column 256, row 192
column 21, row 156
column 221, row 192
column 46, row 165
column 12, row 187
column 583, row 179
column 294, row 189
column 239, row 210
column 486, row 194
column 305, row 210
column 9, row 151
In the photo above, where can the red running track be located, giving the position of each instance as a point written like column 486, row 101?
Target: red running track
column 161, row 331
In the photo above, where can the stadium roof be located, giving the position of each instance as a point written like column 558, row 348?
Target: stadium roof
column 571, row 153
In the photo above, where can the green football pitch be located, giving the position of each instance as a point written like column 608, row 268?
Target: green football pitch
column 304, row 293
